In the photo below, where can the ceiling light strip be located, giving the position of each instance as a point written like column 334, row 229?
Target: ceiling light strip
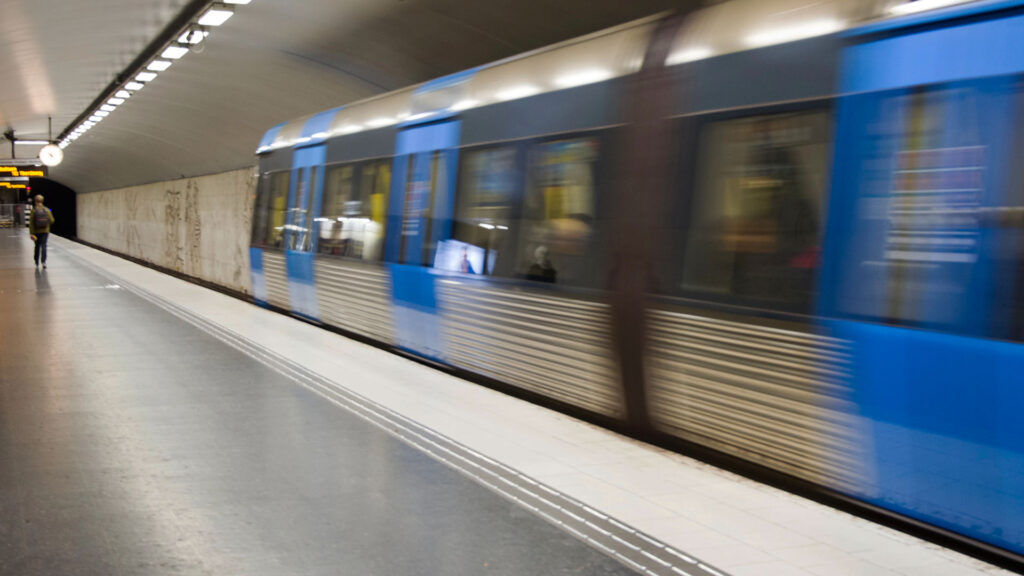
column 189, row 27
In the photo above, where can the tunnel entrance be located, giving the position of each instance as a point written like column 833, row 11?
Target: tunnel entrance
column 58, row 197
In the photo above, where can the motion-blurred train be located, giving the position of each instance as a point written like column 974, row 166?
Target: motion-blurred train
column 789, row 233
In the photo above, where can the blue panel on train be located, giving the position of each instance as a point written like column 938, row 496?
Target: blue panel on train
column 948, row 436
column 301, row 288
column 416, row 320
column 428, row 138
column 416, row 205
column 259, row 280
column 270, row 136
column 304, row 201
column 309, row 157
column 315, row 130
column 975, row 50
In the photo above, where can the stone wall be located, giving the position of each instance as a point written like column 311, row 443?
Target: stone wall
column 196, row 226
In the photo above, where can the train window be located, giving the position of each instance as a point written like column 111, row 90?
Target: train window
column 301, row 214
column 559, row 212
column 758, row 204
column 352, row 216
column 428, row 176
column 935, row 229
column 269, row 212
column 438, row 184
column 484, row 214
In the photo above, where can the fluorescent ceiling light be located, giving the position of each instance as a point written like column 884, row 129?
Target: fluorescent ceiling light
column 115, row 101
column 94, row 118
column 88, row 123
column 63, row 144
column 582, row 77
column 145, row 76
column 193, row 36
column 174, row 52
column 782, row 34
column 122, row 94
column 32, row 142
column 215, row 15
column 107, row 108
column 159, row 65
column 102, row 113
column 517, row 92
column 463, row 105
column 691, row 54
column 921, row 6
column 134, row 85
column 237, row 1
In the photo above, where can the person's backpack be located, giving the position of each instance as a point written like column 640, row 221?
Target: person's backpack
column 40, row 218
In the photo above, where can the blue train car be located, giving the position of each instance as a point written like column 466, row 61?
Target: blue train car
column 781, row 233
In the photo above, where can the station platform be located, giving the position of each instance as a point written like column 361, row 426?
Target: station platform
column 152, row 426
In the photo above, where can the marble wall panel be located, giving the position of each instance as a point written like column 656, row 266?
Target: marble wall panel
column 197, row 226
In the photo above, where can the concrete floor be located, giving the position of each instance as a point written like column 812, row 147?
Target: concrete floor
column 132, row 442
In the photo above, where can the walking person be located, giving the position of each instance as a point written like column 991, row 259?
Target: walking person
column 39, row 222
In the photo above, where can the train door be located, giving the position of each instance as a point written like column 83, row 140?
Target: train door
column 921, row 219
column 420, row 215
column 307, row 180
column 266, row 257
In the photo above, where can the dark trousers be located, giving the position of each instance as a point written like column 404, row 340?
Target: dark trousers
column 41, row 247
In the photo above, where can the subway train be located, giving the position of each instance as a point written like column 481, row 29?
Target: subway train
column 781, row 233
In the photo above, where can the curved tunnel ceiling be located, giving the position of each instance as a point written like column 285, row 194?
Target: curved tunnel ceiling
column 275, row 60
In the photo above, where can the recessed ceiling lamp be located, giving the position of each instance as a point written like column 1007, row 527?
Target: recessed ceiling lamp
column 193, row 36
column 921, row 6
column 463, row 105
column 134, row 86
column 159, row 65
column 174, row 52
column 145, row 76
column 582, row 77
column 216, row 15
column 517, row 92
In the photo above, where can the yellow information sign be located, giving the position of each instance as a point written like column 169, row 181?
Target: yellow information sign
column 21, row 172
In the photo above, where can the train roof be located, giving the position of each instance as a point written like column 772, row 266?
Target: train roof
column 722, row 28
